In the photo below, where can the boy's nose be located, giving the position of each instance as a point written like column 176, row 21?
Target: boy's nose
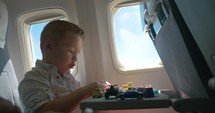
column 74, row 58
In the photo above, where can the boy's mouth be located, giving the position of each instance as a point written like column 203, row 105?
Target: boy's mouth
column 71, row 66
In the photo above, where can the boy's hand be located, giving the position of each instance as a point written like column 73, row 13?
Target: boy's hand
column 107, row 85
column 92, row 86
column 88, row 89
column 103, row 85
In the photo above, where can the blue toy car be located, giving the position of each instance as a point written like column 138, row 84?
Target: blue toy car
column 130, row 94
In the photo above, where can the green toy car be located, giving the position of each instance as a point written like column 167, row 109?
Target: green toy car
column 98, row 93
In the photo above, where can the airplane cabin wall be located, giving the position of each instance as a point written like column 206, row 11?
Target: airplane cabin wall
column 97, row 46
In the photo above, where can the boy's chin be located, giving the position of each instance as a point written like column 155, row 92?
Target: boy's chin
column 63, row 71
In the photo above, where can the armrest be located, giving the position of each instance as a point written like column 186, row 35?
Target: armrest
column 193, row 105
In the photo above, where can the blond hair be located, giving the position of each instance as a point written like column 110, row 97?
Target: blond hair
column 56, row 30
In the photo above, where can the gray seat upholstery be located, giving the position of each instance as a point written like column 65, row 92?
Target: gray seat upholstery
column 8, row 80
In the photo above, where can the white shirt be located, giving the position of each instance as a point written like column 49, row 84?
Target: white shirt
column 43, row 84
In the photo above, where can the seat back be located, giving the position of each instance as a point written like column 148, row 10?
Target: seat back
column 8, row 80
column 181, row 55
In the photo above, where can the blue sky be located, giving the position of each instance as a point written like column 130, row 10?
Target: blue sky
column 35, row 32
column 134, row 47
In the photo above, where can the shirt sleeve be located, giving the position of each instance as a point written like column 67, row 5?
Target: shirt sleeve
column 34, row 92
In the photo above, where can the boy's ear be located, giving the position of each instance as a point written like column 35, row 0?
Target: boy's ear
column 48, row 45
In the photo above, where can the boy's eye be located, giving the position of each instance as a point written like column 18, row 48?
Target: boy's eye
column 74, row 55
column 71, row 52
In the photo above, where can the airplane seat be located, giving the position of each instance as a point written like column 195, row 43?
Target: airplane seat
column 183, row 60
column 8, row 80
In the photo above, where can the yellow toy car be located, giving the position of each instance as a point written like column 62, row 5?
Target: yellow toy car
column 128, row 86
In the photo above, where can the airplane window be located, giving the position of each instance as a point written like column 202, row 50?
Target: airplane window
column 134, row 49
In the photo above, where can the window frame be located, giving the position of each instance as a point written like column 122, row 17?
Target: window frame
column 112, row 8
column 24, row 22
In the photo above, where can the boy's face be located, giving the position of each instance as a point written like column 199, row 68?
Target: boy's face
column 64, row 53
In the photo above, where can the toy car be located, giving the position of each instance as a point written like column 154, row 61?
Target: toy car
column 112, row 91
column 130, row 94
column 128, row 86
column 98, row 93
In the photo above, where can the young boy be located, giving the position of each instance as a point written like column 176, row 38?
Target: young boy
column 49, row 86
